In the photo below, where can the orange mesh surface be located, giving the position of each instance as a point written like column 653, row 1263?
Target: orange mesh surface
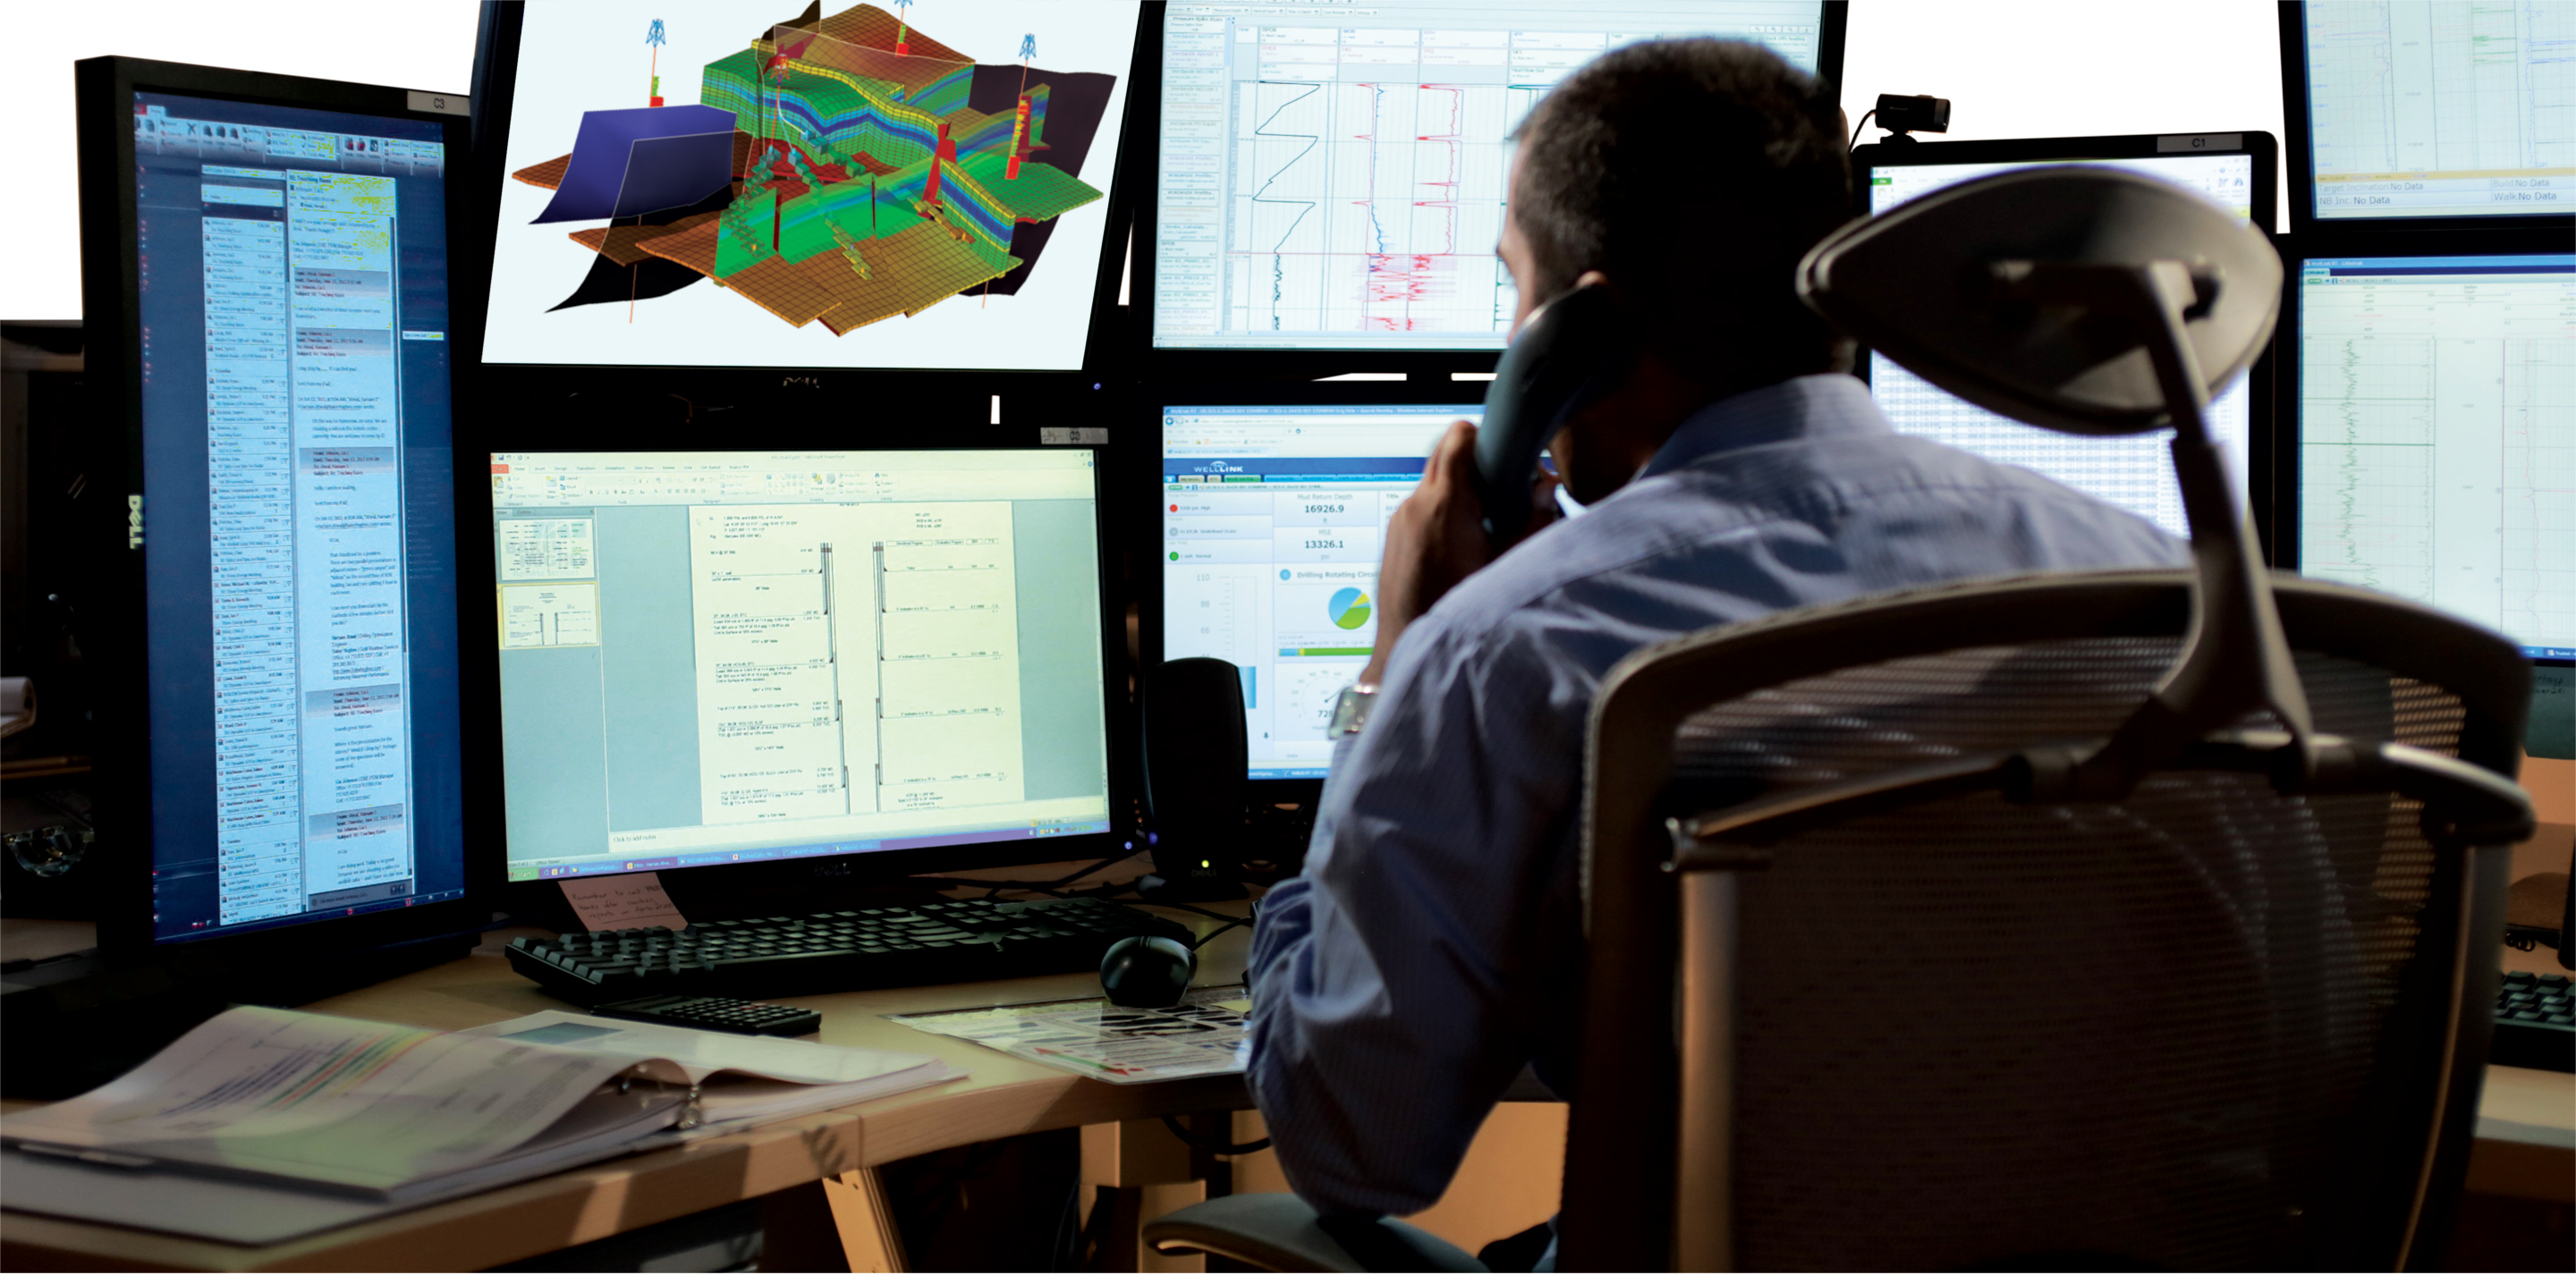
column 783, row 290
column 625, row 244
column 547, row 175
column 694, row 247
column 914, row 270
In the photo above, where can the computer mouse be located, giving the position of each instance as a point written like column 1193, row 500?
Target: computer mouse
column 1146, row 971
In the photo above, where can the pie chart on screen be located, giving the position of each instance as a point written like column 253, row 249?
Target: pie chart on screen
column 1349, row 608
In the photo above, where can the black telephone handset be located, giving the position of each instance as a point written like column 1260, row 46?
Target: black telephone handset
column 1571, row 350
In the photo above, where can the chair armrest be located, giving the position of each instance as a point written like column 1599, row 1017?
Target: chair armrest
column 1274, row 1231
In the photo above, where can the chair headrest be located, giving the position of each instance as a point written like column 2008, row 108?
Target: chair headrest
column 1933, row 285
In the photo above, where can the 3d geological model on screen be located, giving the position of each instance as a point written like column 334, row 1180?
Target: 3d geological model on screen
column 839, row 170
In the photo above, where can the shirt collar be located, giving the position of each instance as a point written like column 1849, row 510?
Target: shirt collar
column 1824, row 405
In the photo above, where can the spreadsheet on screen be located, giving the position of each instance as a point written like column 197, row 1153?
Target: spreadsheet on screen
column 2437, row 435
column 2135, row 472
column 2448, row 109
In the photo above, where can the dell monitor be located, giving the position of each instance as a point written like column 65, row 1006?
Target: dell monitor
column 756, row 665
column 2233, row 170
column 857, row 187
column 265, row 270
column 1273, row 518
column 1330, row 180
column 2409, row 112
column 2436, row 434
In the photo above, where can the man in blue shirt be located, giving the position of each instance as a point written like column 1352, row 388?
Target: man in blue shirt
column 1433, row 945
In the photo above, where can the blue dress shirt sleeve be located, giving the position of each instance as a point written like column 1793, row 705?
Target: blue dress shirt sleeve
column 1388, row 1001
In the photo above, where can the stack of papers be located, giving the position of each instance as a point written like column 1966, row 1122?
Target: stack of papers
column 267, row 1123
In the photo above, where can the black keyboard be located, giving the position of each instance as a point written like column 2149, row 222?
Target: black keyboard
column 2535, row 1022
column 947, row 941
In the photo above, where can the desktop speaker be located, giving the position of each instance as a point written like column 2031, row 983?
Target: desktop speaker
column 1195, row 764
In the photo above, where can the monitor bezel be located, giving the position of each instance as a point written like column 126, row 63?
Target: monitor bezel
column 2300, row 152
column 2262, row 146
column 709, row 890
column 2263, row 407
column 496, row 66
column 117, row 629
column 1143, row 487
column 2295, row 253
column 1291, row 366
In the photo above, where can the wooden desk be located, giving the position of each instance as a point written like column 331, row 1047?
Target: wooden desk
column 2526, row 1146
column 1001, row 1096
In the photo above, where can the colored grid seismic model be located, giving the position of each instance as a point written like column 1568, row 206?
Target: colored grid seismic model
column 862, row 180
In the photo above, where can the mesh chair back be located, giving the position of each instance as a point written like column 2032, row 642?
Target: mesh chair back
column 2207, row 1026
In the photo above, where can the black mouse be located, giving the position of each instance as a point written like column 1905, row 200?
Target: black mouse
column 1146, row 971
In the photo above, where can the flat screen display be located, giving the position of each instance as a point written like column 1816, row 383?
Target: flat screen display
column 1332, row 177
column 1274, row 523
column 704, row 184
column 2134, row 472
column 2437, row 436
column 2422, row 109
column 299, row 562
column 730, row 657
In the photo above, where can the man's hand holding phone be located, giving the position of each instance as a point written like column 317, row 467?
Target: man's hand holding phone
column 1437, row 538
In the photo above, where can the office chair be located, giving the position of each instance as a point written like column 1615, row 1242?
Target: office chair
column 2103, row 919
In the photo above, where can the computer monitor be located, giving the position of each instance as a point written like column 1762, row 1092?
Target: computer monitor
column 921, row 188
column 265, row 280
column 2434, row 113
column 1331, row 179
column 2436, row 434
column 882, row 660
column 1273, row 519
column 2235, row 170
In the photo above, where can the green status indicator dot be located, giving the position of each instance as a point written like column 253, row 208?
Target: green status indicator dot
column 1176, row 557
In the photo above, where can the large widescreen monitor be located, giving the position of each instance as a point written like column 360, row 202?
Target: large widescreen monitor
column 1331, row 178
column 710, row 185
column 1273, row 521
column 2412, row 109
column 2233, row 170
column 734, row 658
column 267, row 288
column 2437, row 435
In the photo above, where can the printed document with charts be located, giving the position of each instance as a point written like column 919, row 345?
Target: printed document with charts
column 399, row 1116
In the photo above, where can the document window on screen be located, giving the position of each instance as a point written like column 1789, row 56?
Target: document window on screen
column 2136, row 472
column 2437, row 436
column 1274, row 520
column 1332, row 177
column 728, row 657
column 2442, row 109
column 299, row 581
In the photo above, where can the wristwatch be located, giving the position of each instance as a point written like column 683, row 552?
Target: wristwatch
column 1351, row 711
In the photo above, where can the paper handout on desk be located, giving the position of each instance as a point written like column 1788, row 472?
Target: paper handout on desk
column 1091, row 1037
column 401, row 1116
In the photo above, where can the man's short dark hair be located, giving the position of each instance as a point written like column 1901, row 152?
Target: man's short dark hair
column 1695, row 173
